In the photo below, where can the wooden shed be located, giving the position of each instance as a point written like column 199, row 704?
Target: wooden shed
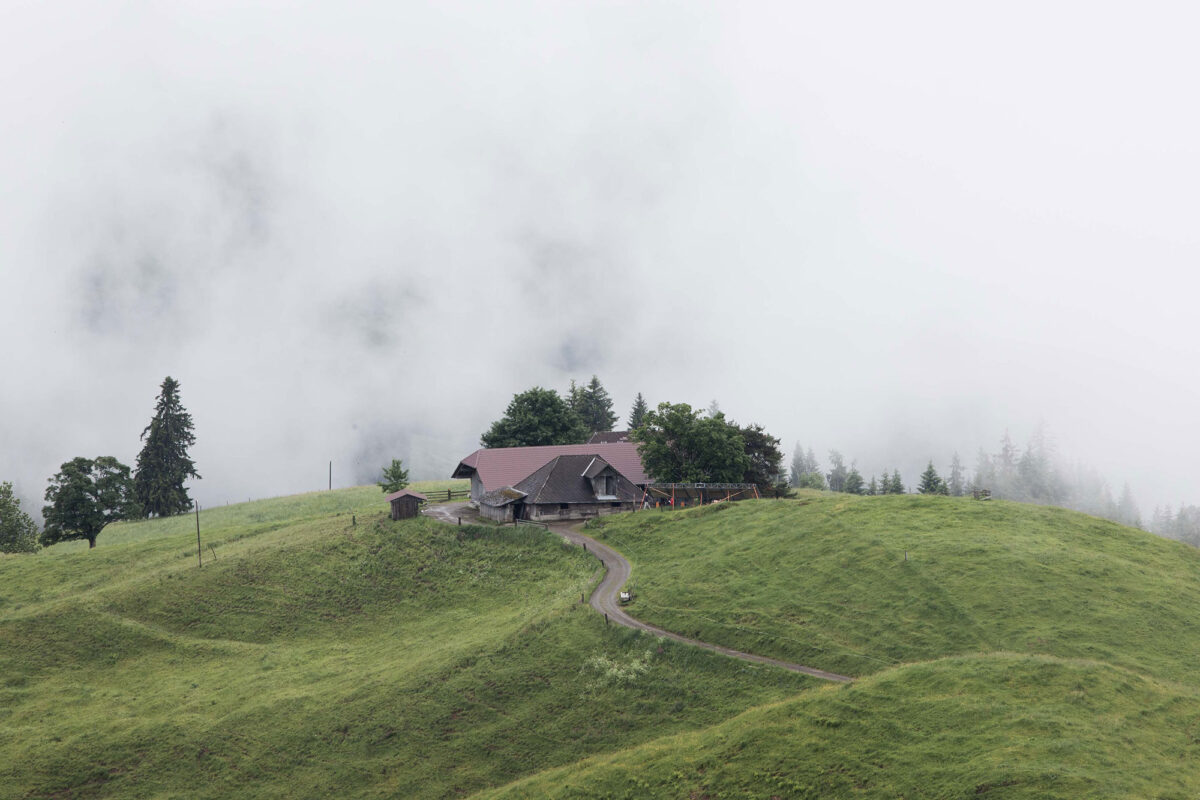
column 405, row 503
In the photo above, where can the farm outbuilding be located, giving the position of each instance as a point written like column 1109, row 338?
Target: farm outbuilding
column 405, row 503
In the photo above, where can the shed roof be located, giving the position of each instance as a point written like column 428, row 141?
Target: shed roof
column 562, row 480
column 507, row 466
column 405, row 493
column 502, row 497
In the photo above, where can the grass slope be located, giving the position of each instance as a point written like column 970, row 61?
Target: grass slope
column 824, row 581
column 996, row 726
column 318, row 658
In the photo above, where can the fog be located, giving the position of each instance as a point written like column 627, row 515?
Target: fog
column 352, row 232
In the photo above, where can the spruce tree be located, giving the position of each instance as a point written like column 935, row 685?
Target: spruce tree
column 395, row 477
column 18, row 533
column 897, row 484
column 797, row 471
column 593, row 405
column 854, row 482
column 931, row 482
column 957, row 483
column 638, row 414
column 873, row 487
column 163, row 465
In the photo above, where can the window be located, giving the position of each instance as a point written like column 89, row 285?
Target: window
column 563, row 506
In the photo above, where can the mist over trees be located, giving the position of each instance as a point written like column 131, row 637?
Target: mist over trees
column 1035, row 473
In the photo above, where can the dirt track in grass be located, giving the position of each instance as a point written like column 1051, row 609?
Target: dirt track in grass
column 617, row 572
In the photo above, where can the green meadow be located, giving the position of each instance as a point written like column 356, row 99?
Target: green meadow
column 327, row 651
column 1001, row 650
column 860, row 584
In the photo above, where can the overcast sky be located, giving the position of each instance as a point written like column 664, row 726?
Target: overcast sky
column 353, row 230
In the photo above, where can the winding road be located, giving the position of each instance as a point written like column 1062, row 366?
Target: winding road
column 617, row 572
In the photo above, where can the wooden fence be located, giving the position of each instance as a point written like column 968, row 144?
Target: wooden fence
column 446, row 495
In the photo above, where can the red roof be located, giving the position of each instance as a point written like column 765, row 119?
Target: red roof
column 508, row 466
column 405, row 493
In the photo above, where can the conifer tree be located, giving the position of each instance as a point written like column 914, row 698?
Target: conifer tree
column 163, row 465
column 593, row 405
column 638, row 413
column 395, row 477
column 18, row 533
column 931, row 482
column 897, row 484
column 854, row 482
column 797, row 469
column 873, row 487
column 956, row 484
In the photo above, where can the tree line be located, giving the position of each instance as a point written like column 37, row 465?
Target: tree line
column 86, row 494
column 1033, row 474
column 677, row 443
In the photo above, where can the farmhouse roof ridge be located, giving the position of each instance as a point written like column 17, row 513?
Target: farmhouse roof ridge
column 507, row 466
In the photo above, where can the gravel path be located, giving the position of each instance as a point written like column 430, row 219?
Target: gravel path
column 617, row 571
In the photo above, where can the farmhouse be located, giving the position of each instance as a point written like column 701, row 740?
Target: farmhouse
column 494, row 468
column 566, row 487
column 570, row 481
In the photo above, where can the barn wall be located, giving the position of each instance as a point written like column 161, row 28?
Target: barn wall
column 498, row 513
column 477, row 492
column 548, row 512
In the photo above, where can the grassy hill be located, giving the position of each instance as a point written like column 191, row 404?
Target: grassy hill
column 825, row 581
column 1019, row 651
column 315, row 658
column 996, row 726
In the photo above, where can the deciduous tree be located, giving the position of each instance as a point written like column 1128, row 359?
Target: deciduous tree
column 765, row 457
column 86, row 495
column 678, row 445
column 837, row 472
column 536, row 416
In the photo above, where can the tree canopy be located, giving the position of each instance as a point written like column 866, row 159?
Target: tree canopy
column 18, row 533
column 593, row 405
column 536, row 416
column 86, row 495
column 765, row 466
column 163, row 465
column 395, row 477
column 678, row 445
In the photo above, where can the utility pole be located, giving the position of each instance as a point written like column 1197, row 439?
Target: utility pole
column 331, row 476
column 199, row 551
